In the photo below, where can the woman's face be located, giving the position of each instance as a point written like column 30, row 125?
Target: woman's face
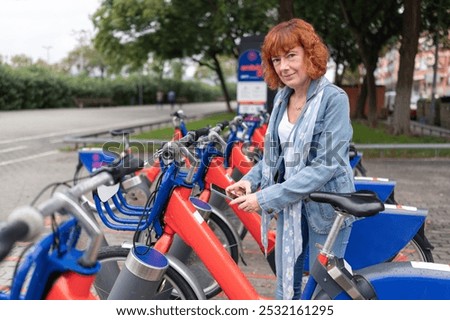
column 290, row 67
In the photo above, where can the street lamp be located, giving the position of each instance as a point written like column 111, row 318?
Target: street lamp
column 48, row 52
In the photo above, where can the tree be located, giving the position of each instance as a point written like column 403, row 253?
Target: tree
column 327, row 20
column 128, row 31
column 85, row 59
column 372, row 24
column 21, row 60
column 436, row 23
column 285, row 10
column 408, row 50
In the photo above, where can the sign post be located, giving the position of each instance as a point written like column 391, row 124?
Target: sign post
column 251, row 88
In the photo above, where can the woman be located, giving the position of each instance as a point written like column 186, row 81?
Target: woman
column 306, row 150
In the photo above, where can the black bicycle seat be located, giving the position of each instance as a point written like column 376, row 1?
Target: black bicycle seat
column 362, row 203
column 120, row 132
column 179, row 114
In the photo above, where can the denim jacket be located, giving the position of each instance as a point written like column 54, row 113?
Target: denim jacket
column 327, row 165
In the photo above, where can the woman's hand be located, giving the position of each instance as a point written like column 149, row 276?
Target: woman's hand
column 248, row 202
column 240, row 188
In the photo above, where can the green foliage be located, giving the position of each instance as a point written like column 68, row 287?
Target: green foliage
column 132, row 32
column 364, row 134
column 38, row 88
column 167, row 133
column 128, row 31
column 32, row 88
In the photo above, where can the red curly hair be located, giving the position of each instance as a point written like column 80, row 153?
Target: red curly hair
column 287, row 35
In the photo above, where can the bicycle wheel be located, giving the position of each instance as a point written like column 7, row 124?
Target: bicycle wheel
column 418, row 249
column 415, row 250
column 360, row 170
column 220, row 204
column 229, row 241
column 186, row 255
column 113, row 257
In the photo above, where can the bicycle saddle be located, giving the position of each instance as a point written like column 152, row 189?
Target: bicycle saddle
column 120, row 132
column 362, row 203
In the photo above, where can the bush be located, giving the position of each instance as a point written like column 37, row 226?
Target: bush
column 38, row 88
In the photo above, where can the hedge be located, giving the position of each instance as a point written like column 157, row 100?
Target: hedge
column 41, row 88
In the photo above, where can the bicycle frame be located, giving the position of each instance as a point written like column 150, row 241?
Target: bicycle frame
column 54, row 268
column 183, row 219
column 74, row 280
column 216, row 174
column 365, row 233
column 400, row 280
column 365, row 248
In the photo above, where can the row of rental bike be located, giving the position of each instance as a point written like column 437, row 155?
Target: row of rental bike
column 184, row 238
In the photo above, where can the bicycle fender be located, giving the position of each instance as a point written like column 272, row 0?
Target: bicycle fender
column 72, row 286
column 187, row 275
column 409, row 280
column 222, row 217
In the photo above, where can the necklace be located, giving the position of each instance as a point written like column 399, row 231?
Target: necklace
column 299, row 106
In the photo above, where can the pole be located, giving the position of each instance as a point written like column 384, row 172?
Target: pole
column 433, row 86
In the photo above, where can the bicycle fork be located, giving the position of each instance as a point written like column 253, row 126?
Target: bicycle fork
column 183, row 219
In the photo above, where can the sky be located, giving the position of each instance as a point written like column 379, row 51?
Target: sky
column 45, row 29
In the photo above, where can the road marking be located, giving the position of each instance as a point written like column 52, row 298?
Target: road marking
column 67, row 132
column 12, row 149
column 35, row 156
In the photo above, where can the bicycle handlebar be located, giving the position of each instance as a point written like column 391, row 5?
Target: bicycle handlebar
column 238, row 121
column 178, row 114
column 201, row 132
column 14, row 231
column 222, row 125
column 173, row 150
column 127, row 166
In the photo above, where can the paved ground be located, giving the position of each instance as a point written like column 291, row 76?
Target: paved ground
column 34, row 159
column 424, row 184
column 421, row 183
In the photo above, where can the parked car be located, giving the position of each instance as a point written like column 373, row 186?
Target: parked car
column 389, row 104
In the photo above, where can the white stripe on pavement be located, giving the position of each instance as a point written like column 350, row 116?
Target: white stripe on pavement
column 67, row 132
column 35, row 156
column 12, row 149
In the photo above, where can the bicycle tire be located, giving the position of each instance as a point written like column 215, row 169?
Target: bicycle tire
column 235, row 221
column 419, row 245
column 210, row 286
column 173, row 280
column 220, row 204
column 415, row 250
column 360, row 170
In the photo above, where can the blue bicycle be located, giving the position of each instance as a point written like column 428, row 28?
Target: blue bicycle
column 333, row 278
column 55, row 267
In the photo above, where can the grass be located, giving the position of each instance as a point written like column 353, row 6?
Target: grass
column 167, row 133
column 363, row 134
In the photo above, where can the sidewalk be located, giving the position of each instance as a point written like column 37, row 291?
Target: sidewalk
column 423, row 183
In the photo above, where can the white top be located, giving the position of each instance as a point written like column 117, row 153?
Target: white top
column 285, row 128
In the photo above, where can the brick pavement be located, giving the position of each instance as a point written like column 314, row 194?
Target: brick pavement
column 420, row 183
column 423, row 183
